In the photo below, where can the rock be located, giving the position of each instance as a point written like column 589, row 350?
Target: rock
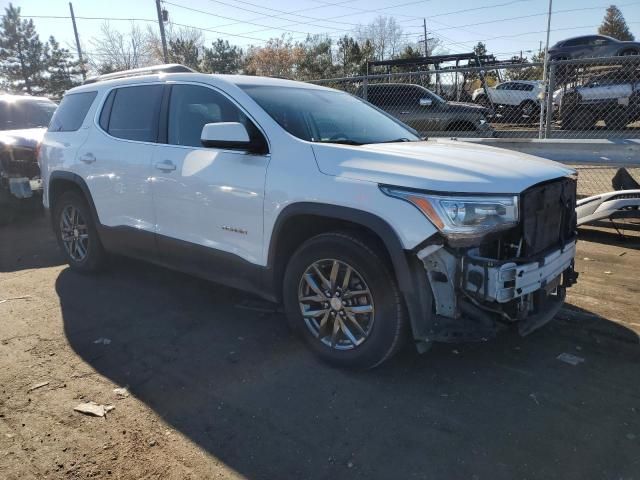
column 93, row 409
column 121, row 392
column 38, row 385
column 570, row 359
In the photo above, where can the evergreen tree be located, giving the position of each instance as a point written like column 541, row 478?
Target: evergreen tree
column 614, row 25
column 185, row 52
column 349, row 55
column 62, row 70
column 222, row 57
column 317, row 59
column 22, row 54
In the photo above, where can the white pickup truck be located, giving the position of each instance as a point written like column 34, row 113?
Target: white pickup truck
column 311, row 197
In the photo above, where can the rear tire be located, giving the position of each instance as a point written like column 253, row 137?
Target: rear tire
column 344, row 328
column 529, row 109
column 579, row 120
column 617, row 120
column 76, row 233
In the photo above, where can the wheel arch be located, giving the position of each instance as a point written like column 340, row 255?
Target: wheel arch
column 300, row 221
column 63, row 181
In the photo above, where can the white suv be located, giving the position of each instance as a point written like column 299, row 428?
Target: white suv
column 519, row 96
column 311, row 197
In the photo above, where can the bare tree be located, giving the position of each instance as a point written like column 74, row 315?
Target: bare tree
column 184, row 44
column 114, row 50
column 385, row 36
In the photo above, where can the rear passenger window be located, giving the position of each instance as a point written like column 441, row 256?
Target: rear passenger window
column 134, row 113
column 71, row 112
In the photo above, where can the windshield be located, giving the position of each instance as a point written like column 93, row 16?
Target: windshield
column 327, row 116
column 21, row 114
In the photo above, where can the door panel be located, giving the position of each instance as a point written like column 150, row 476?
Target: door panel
column 117, row 162
column 207, row 196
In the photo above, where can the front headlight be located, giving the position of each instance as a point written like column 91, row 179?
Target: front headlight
column 463, row 216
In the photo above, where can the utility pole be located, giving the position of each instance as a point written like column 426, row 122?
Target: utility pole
column 424, row 27
column 545, row 80
column 78, row 48
column 165, row 56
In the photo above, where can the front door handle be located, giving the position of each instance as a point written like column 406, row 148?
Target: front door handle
column 88, row 158
column 165, row 165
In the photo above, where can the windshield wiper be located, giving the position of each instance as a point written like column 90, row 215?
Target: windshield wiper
column 341, row 142
column 397, row 140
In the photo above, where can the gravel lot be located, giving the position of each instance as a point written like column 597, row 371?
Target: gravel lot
column 220, row 389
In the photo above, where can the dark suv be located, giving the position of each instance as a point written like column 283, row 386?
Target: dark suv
column 425, row 111
column 590, row 46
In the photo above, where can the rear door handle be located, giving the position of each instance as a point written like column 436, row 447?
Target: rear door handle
column 88, row 158
column 165, row 165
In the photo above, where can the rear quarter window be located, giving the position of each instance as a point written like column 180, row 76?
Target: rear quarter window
column 71, row 112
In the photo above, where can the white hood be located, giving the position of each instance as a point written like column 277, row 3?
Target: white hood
column 438, row 165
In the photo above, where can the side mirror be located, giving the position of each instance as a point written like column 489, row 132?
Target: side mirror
column 426, row 102
column 230, row 135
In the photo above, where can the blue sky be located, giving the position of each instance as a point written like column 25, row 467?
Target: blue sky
column 245, row 22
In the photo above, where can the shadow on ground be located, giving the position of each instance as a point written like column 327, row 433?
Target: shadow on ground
column 23, row 244
column 236, row 383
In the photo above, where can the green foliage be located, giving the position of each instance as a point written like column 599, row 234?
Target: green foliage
column 614, row 25
column 184, row 51
column 533, row 72
column 27, row 65
column 349, row 56
column 62, row 70
column 222, row 58
column 22, row 54
column 317, row 58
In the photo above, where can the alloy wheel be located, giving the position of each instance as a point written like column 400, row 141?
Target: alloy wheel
column 336, row 304
column 75, row 233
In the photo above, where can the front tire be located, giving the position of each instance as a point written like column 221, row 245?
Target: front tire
column 342, row 299
column 76, row 233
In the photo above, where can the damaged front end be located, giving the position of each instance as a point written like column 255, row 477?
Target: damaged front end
column 19, row 170
column 515, row 276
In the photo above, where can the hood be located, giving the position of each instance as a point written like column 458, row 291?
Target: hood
column 23, row 138
column 438, row 165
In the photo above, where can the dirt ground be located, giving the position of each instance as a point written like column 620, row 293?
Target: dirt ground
column 220, row 389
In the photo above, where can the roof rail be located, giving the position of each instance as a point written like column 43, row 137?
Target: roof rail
column 168, row 68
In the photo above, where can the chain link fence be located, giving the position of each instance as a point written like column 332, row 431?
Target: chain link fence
column 586, row 99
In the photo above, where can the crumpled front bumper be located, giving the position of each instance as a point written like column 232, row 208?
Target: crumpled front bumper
column 473, row 296
column 503, row 282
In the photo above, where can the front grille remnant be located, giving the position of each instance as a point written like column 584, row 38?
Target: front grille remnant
column 548, row 213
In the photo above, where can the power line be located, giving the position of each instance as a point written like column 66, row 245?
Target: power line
column 519, row 17
column 268, row 27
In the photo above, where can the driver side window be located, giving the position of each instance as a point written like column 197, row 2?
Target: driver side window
column 191, row 107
